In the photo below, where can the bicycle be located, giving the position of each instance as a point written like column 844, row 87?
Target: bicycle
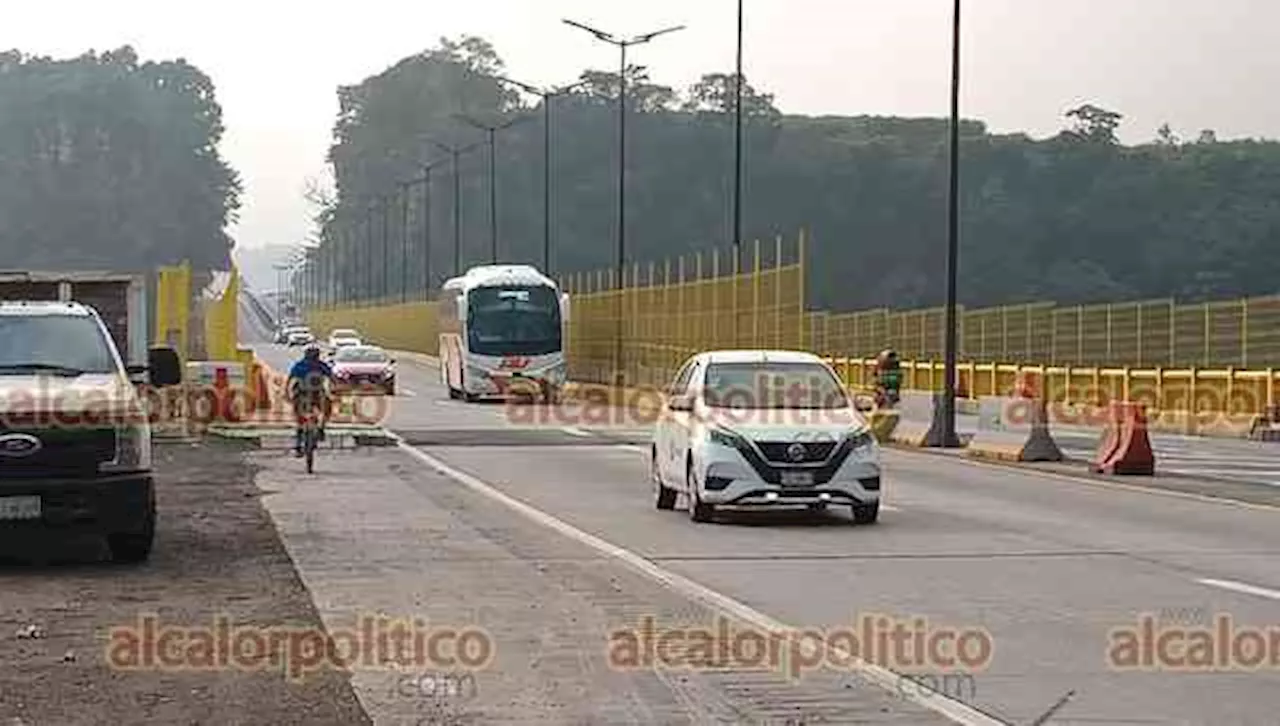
column 312, row 433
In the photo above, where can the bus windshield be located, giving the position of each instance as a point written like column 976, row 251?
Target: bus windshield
column 515, row 320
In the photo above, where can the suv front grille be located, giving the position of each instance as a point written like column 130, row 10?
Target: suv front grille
column 772, row 473
column 778, row 452
column 64, row 451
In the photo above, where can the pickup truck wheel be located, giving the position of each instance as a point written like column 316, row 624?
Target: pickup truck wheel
column 134, row 546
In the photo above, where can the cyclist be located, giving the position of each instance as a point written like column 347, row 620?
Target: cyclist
column 307, row 380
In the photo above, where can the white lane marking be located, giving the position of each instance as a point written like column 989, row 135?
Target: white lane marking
column 575, row 431
column 407, row 392
column 957, row 711
column 1241, row 587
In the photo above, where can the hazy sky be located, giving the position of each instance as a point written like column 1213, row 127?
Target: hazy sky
column 1193, row 63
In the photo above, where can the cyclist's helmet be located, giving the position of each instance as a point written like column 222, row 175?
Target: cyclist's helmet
column 312, row 352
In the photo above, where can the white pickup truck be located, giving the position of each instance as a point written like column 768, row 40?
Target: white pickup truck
column 75, row 436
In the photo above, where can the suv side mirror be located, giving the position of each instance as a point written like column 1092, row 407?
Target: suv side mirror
column 863, row 402
column 681, row 402
column 164, row 366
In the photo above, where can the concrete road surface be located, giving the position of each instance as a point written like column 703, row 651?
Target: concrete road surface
column 1058, row 572
column 1234, row 460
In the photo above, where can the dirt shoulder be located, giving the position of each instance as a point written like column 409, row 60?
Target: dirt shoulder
column 216, row 554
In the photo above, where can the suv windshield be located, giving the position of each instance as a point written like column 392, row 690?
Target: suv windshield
column 67, row 343
column 517, row 320
column 360, row 355
column 773, row 386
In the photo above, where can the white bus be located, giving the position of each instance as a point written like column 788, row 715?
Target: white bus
column 502, row 329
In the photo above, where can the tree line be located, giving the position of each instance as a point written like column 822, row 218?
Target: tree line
column 1074, row 218
column 108, row 162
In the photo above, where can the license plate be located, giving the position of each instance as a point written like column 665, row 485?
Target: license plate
column 797, row 479
column 19, row 507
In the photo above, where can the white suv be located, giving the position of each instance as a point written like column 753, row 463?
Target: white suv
column 751, row 429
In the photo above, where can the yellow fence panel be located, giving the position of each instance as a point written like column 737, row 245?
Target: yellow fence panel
column 410, row 326
column 173, row 308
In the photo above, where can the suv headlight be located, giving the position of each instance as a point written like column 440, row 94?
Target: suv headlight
column 861, row 438
column 133, row 450
column 723, row 437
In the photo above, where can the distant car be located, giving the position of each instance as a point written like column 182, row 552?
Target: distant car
column 343, row 337
column 356, row 366
column 302, row 336
column 767, row 429
column 282, row 335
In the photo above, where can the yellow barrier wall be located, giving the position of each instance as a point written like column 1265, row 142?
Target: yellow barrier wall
column 173, row 308
column 221, row 321
column 1243, row 333
column 670, row 310
column 399, row 326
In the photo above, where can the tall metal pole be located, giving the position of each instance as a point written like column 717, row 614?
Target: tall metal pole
column 547, row 94
column 546, row 183
column 404, row 242
column 384, row 289
column 457, row 217
column 426, row 233
column 622, row 213
column 493, row 194
column 942, row 433
column 622, row 45
column 737, row 155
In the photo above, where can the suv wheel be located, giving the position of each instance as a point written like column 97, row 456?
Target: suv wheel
column 698, row 510
column 866, row 513
column 666, row 497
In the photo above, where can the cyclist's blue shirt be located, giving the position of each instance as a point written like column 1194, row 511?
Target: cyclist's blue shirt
column 305, row 370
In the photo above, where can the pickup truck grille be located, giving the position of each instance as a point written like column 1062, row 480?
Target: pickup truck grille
column 64, row 452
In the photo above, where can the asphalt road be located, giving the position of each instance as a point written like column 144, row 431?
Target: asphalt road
column 1047, row 565
column 1234, row 460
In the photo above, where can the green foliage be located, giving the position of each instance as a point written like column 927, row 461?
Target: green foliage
column 1074, row 218
column 107, row 162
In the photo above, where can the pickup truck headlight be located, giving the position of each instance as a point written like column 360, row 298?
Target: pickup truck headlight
column 133, row 450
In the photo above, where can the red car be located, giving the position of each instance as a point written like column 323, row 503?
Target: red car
column 362, row 367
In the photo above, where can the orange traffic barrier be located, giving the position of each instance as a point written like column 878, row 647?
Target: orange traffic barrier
column 1125, row 447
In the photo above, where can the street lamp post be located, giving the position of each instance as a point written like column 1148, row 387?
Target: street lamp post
column 491, row 130
column 403, row 193
column 455, row 153
column 622, row 44
column 737, row 154
column 942, row 432
column 547, row 95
